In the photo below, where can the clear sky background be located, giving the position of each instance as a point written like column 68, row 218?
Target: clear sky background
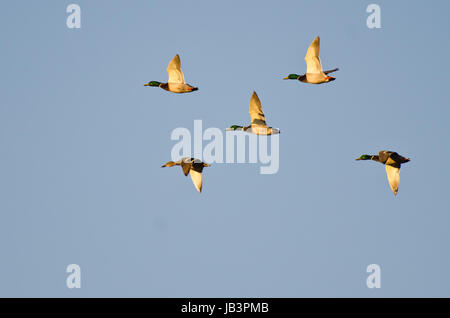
column 82, row 141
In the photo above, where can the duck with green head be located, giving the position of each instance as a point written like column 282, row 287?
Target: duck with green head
column 392, row 162
column 314, row 73
column 176, row 83
column 258, row 124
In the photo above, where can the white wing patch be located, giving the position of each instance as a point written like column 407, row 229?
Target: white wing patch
column 393, row 175
column 196, row 179
column 174, row 70
column 313, row 64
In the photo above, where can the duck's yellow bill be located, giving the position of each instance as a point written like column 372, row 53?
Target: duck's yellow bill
column 287, row 77
column 146, row 84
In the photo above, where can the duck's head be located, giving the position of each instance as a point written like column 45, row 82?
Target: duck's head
column 169, row 164
column 292, row 77
column 235, row 127
column 364, row 157
column 153, row 83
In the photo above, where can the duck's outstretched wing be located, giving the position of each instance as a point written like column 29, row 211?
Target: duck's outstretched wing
column 256, row 114
column 174, row 70
column 393, row 175
column 196, row 179
column 384, row 155
column 313, row 64
column 186, row 164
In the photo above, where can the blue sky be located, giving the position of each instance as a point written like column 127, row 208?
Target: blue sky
column 82, row 141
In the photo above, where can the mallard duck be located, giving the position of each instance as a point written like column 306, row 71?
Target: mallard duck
column 192, row 166
column 176, row 82
column 258, row 124
column 392, row 161
column 314, row 73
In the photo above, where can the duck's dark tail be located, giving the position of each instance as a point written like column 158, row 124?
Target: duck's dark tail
column 331, row 71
